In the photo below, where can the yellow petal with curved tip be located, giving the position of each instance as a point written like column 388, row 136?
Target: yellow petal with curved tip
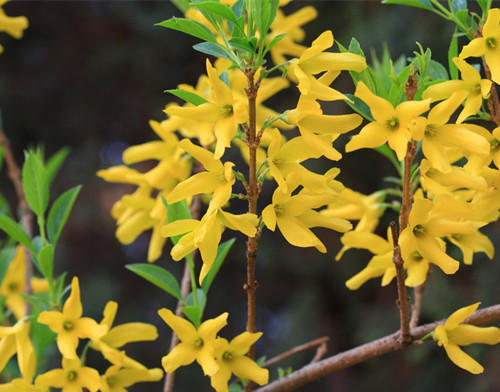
column 219, row 380
column 224, row 129
column 381, row 109
column 318, row 90
column 465, row 334
column 398, row 141
column 109, row 313
column 363, row 240
column 128, row 231
column 207, row 111
column 54, row 378
column 221, row 93
column 420, row 211
column 205, row 157
column 121, row 174
column 416, row 273
column 246, row 223
column 443, row 90
column 465, row 139
column 181, row 355
column 142, row 152
column 209, row 328
column 430, row 249
column 156, row 244
column 7, row 349
column 244, row 367
column 475, row 48
column 333, row 124
column 372, row 135
column 184, row 247
column 493, row 60
column 183, row 328
column 462, row 360
column 180, row 226
column 130, row 332
column 441, row 113
column 376, row 267
column 460, row 315
column 89, row 378
column 492, row 26
column 13, row 25
column 297, row 234
column 204, row 182
column 205, row 358
column 25, row 352
column 321, row 43
column 467, row 71
column 241, row 343
column 329, row 61
column 269, row 217
column 471, row 107
column 67, row 344
column 73, row 307
column 315, row 219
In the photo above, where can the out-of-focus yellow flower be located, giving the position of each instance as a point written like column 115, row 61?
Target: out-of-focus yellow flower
column 196, row 344
column 118, row 336
column 14, row 284
column 315, row 60
column 73, row 377
column 12, row 25
column 230, row 356
column 391, row 125
column 472, row 89
column 69, row 324
column 16, row 339
column 488, row 45
column 454, row 333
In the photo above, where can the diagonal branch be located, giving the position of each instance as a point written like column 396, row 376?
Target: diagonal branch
column 376, row 348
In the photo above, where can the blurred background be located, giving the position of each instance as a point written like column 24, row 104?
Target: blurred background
column 89, row 75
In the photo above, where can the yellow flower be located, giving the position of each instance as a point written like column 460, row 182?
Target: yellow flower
column 21, row 385
column 14, row 284
column 205, row 234
column 294, row 216
column 488, row 45
column 454, row 333
column 116, row 337
column 472, row 88
column 222, row 110
column 196, row 344
column 69, row 325
column 218, row 179
column 391, row 124
column 12, row 25
column 230, row 356
column 116, row 379
column 73, row 377
column 16, row 339
column 315, row 60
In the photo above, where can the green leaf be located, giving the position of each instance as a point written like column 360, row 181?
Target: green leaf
column 238, row 8
column 425, row 4
column 273, row 42
column 6, row 256
column 35, row 184
column 59, row 213
column 437, row 71
column 359, row 106
column 55, row 162
column 355, row 47
column 190, row 27
column 194, row 314
column 183, row 5
column 4, row 205
column 212, row 50
column 202, row 299
column 187, row 96
column 485, row 6
column 458, row 5
column 40, row 300
column 452, row 53
column 14, row 229
column 242, row 44
column 222, row 252
column 175, row 212
column 217, row 8
column 46, row 261
column 464, row 17
column 159, row 277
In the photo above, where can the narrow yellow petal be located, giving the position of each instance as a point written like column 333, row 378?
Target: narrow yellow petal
column 130, row 332
column 73, row 307
column 183, row 328
column 460, row 315
column 465, row 334
column 462, row 360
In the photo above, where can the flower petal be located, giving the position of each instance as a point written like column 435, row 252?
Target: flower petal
column 460, row 315
column 183, row 328
column 244, row 367
column 465, row 334
column 462, row 360
column 181, row 355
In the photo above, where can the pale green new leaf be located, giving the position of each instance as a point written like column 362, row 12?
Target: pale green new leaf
column 159, row 276
column 59, row 213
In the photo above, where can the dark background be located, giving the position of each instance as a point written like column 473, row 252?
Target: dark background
column 90, row 74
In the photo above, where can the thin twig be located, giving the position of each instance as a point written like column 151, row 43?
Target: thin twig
column 185, row 287
column 402, row 300
column 14, row 173
column 320, row 353
column 295, row 350
column 376, row 348
column 406, row 199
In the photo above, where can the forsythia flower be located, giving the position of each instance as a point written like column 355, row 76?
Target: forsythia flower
column 230, row 356
column 14, row 283
column 16, row 339
column 12, row 25
column 488, row 45
column 73, row 377
column 116, row 379
column 454, row 333
column 391, row 124
column 196, row 344
column 70, row 325
column 472, row 88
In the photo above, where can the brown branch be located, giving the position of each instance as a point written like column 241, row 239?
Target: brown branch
column 253, row 196
column 376, row 348
column 14, row 173
column 320, row 353
column 295, row 350
column 493, row 102
column 168, row 386
column 402, row 301
column 406, row 199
